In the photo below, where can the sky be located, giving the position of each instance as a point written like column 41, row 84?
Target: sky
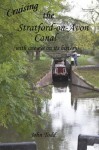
column 77, row 6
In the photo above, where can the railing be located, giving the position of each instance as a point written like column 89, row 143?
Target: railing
column 84, row 140
column 18, row 146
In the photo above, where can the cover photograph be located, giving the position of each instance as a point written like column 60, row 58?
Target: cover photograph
column 49, row 75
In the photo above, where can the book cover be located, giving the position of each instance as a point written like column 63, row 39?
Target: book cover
column 49, row 73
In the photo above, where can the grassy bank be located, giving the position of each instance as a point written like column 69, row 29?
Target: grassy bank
column 84, row 60
column 91, row 76
column 41, row 67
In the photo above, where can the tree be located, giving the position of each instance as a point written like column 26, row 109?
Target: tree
column 93, row 18
column 16, row 93
column 84, row 40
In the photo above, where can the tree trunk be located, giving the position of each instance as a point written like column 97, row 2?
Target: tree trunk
column 37, row 55
column 31, row 55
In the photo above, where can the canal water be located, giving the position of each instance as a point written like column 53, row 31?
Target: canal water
column 70, row 111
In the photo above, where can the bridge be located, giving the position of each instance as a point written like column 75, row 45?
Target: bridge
column 59, row 54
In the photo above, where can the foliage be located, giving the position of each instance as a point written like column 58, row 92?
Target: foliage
column 42, row 66
column 16, row 96
column 97, row 54
column 64, row 39
column 96, row 41
column 9, row 25
column 14, row 90
column 83, row 60
column 84, row 39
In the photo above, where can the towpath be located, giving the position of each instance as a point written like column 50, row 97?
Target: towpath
column 93, row 61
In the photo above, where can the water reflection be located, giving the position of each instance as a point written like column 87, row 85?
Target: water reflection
column 71, row 111
column 70, row 114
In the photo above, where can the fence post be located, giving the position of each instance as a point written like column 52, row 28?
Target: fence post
column 84, row 140
column 82, row 143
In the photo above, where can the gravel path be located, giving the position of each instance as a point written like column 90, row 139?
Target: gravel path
column 93, row 61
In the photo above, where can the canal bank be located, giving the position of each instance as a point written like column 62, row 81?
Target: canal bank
column 79, row 80
column 68, row 115
column 76, row 78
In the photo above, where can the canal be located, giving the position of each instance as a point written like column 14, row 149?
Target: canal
column 70, row 111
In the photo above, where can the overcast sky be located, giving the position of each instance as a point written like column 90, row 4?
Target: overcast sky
column 77, row 6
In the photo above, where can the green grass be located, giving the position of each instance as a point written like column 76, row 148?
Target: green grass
column 41, row 67
column 91, row 76
column 83, row 60
column 87, row 60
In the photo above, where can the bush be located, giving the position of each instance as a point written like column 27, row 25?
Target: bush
column 97, row 54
